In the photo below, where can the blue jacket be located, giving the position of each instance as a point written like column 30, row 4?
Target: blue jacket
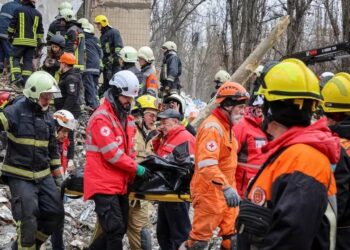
column 93, row 54
column 171, row 69
column 6, row 14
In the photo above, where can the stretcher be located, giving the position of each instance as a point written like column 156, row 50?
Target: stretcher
column 140, row 196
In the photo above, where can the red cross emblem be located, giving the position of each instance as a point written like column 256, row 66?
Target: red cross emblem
column 211, row 146
column 105, row 131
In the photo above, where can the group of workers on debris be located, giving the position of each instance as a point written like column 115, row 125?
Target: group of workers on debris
column 272, row 169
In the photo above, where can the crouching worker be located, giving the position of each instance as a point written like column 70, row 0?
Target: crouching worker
column 65, row 123
column 110, row 163
column 32, row 155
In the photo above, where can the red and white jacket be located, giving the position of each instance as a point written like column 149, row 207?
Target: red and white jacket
column 110, row 154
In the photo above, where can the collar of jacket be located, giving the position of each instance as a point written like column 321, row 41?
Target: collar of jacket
column 222, row 115
column 255, row 121
column 174, row 132
column 105, row 29
column 70, row 71
column 342, row 129
column 317, row 135
column 29, row 3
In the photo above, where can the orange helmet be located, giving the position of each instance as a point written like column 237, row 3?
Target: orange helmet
column 68, row 58
column 232, row 90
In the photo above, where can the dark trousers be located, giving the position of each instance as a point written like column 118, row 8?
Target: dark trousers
column 173, row 224
column 37, row 208
column 108, row 73
column 5, row 50
column 112, row 214
column 90, row 81
column 343, row 239
column 27, row 54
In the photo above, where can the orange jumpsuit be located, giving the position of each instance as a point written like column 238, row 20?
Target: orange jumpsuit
column 215, row 166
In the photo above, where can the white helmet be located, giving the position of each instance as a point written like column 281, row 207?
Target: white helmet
column 169, row 45
column 146, row 53
column 126, row 82
column 65, row 5
column 88, row 28
column 128, row 54
column 222, row 76
column 179, row 99
column 65, row 119
column 38, row 83
column 83, row 20
column 67, row 15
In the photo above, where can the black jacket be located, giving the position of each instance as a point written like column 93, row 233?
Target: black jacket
column 32, row 144
column 171, row 69
column 93, row 54
column 28, row 19
column 70, row 85
column 56, row 28
column 112, row 43
column 75, row 43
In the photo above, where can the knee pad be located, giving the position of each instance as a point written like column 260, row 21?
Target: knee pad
column 146, row 239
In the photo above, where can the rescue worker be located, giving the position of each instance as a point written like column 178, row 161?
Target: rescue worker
column 6, row 14
column 112, row 43
column 145, row 113
column 93, row 62
column 171, row 70
column 70, row 85
column 220, row 77
column 251, row 139
column 32, row 167
column 290, row 203
column 336, row 107
column 75, row 39
column 178, row 103
column 146, row 58
column 65, row 122
column 127, row 61
column 58, row 26
column 213, row 186
column 173, row 222
column 51, row 63
column 25, row 32
column 110, row 163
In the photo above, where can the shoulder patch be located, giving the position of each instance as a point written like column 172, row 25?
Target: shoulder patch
column 211, row 146
column 105, row 131
column 258, row 196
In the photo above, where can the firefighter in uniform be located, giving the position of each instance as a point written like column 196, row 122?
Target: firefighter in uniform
column 145, row 113
column 112, row 43
column 171, row 69
column 127, row 61
column 58, row 26
column 6, row 14
column 336, row 107
column 290, row 204
column 32, row 166
column 220, row 77
column 25, row 32
column 110, row 163
column 146, row 58
column 75, row 38
column 213, row 186
column 51, row 63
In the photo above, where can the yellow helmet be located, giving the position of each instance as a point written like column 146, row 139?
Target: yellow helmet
column 101, row 19
column 147, row 102
column 336, row 94
column 289, row 79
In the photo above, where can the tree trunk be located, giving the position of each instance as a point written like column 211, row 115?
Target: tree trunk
column 244, row 72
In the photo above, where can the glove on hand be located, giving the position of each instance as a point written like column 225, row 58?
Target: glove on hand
column 140, row 170
column 231, row 197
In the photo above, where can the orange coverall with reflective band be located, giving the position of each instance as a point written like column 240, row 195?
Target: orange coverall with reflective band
column 215, row 166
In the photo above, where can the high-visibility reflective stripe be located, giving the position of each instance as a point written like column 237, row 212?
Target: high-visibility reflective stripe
column 331, row 214
column 117, row 49
column 50, row 34
column 169, row 145
column 207, row 163
column 35, row 27
column 21, row 25
column 116, row 157
column 249, row 165
column 26, row 141
column 16, row 70
column 6, row 15
column 184, row 122
column 92, row 148
column 92, row 70
column 4, row 121
column 171, row 78
column 55, row 162
column 4, row 35
column 41, row 36
column 25, row 173
column 41, row 236
column 78, row 66
column 109, row 147
column 214, row 125
column 27, row 72
column 25, row 41
column 10, row 30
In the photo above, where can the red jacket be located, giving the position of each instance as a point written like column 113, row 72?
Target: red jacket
column 250, row 139
column 110, row 164
column 164, row 147
column 64, row 153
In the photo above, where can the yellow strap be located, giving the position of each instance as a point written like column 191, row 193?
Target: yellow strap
column 21, row 25
column 4, row 121
column 25, row 173
column 26, row 141
column 41, row 236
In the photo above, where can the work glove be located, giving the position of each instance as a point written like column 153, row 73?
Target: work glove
column 140, row 170
column 231, row 197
